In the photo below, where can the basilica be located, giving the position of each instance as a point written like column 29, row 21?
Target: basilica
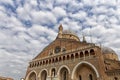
column 70, row 58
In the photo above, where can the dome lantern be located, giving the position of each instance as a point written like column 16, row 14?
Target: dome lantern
column 60, row 28
column 60, row 31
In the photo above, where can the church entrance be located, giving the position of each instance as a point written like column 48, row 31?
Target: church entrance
column 84, row 72
column 64, row 74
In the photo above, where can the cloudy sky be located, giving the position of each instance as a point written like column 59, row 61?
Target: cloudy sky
column 27, row 26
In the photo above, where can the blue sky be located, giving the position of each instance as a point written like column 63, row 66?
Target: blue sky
column 27, row 26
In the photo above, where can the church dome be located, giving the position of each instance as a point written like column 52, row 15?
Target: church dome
column 67, row 34
column 107, row 50
column 109, row 53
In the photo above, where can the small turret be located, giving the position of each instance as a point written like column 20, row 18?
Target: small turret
column 60, row 31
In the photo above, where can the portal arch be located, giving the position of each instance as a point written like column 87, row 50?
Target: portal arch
column 85, row 63
column 32, row 76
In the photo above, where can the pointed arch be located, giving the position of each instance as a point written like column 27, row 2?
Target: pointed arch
column 27, row 78
column 76, row 55
column 63, row 67
column 68, row 57
column 92, row 52
column 86, row 53
column 81, row 54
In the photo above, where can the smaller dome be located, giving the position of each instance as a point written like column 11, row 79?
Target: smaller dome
column 70, row 35
column 107, row 50
column 109, row 53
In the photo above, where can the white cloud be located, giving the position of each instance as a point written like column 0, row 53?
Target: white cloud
column 2, row 9
column 43, row 17
column 59, row 12
column 44, row 5
column 38, row 31
column 7, row 2
column 81, row 15
column 61, row 2
column 23, row 13
column 33, row 2
column 88, row 2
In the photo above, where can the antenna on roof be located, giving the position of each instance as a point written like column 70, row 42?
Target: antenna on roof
column 90, row 35
column 84, row 40
column 83, row 35
column 82, row 29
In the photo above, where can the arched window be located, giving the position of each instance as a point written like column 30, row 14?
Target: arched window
column 41, row 63
column 80, row 78
column 53, row 60
column 72, row 56
column 46, row 61
column 92, row 52
column 81, row 54
column 37, row 63
column 68, row 57
column 90, row 77
column 60, row 59
column 63, row 58
column 76, row 55
column 49, row 61
column 56, row 60
column 86, row 53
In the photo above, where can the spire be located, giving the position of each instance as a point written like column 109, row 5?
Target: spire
column 84, row 40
